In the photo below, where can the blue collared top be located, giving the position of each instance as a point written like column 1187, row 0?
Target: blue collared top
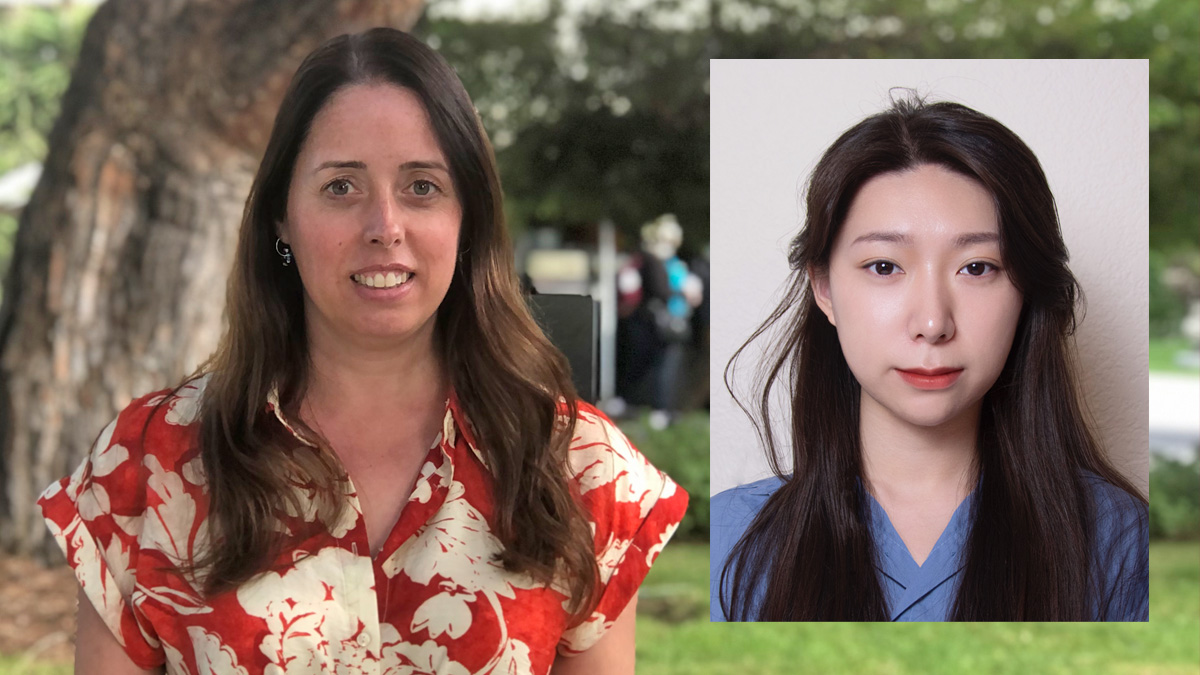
column 926, row 592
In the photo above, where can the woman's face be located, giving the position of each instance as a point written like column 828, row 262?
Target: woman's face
column 372, row 217
column 924, row 311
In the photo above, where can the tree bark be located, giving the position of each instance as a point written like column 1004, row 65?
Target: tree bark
column 116, row 285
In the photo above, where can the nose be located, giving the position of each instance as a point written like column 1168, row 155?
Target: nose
column 384, row 222
column 931, row 310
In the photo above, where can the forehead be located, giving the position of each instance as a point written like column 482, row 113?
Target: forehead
column 928, row 204
column 371, row 120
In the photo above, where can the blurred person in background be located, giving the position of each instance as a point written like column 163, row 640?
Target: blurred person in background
column 698, row 393
column 657, row 297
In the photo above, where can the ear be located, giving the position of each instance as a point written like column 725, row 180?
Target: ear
column 281, row 231
column 818, row 281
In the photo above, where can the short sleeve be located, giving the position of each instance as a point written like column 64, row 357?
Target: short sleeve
column 96, row 516
column 634, row 508
column 731, row 511
column 1122, row 553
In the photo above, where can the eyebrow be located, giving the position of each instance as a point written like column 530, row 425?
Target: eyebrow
column 355, row 164
column 340, row 165
column 962, row 241
column 427, row 164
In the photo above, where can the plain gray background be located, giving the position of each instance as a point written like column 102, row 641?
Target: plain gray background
column 1086, row 121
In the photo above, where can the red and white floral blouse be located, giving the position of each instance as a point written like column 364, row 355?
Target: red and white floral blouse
column 432, row 601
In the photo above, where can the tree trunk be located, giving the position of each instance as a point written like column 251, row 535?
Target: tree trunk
column 116, row 285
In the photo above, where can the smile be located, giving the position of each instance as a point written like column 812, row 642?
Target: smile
column 380, row 280
column 939, row 378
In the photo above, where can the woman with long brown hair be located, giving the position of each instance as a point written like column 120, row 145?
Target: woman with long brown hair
column 384, row 467
column 940, row 464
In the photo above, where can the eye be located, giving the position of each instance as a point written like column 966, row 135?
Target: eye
column 423, row 188
column 339, row 187
column 979, row 269
column 881, row 268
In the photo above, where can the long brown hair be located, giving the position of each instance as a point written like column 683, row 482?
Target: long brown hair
column 509, row 380
column 808, row 555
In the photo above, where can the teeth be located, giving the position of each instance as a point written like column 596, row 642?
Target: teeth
column 379, row 280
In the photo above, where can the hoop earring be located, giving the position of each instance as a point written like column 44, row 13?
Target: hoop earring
column 286, row 253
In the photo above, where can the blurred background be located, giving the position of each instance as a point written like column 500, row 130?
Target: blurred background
column 119, row 197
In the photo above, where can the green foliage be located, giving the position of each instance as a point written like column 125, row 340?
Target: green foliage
column 614, row 129
column 37, row 49
column 1164, row 355
column 8, row 235
column 24, row 665
column 1166, row 32
column 1174, row 499
column 612, row 123
column 680, row 451
column 1167, row 309
column 676, row 589
column 1165, row 645
column 609, row 118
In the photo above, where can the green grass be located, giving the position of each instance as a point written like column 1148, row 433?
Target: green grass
column 19, row 665
column 1162, row 356
column 1166, row 645
column 676, row 590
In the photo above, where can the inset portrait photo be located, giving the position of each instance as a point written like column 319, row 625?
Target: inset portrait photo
column 930, row 310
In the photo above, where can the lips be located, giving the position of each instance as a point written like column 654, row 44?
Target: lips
column 395, row 268
column 930, row 378
column 929, row 371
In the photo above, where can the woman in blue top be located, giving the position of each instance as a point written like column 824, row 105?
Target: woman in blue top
column 942, row 468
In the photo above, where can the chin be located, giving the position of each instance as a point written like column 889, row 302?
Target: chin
column 932, row 418
column 389, row 329
column 927, row 410
column 929, row 422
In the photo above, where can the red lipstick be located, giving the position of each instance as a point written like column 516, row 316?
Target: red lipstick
column 926, row 378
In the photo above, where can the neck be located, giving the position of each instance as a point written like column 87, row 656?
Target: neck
column 374, row 379
column 907, row 460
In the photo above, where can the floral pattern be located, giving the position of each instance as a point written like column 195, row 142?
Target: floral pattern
column 433, row 600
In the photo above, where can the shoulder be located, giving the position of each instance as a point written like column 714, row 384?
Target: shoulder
column 731, row 512
column 633, row 509
column 628, row 500
column 1121, row 520
column 162, row 425
column 611, row 473
column 600, row 454
column 1116, row 510
column 1120, row 551
column 736, row 507
column 131, row 509
column 152, row 435
column 178, row 407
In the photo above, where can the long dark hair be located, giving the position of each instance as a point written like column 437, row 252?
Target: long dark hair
column 808, row 555
column 509, row 380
